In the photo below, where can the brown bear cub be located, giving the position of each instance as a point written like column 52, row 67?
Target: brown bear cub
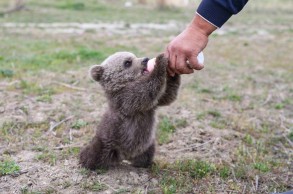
column 126, row 130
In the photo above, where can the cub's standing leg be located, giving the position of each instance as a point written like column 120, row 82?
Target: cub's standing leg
column 145, row 159
column 97, row 155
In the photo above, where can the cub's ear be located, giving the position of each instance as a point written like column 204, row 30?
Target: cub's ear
column 96, row 72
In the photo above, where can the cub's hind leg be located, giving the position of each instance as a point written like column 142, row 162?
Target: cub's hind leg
column 98, row 154
column 145, row 159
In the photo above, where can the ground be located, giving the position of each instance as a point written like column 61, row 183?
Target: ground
column 230, row 130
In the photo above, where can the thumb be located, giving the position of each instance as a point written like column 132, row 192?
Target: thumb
column 194, row 64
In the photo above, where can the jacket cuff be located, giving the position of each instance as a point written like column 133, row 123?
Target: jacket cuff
column 213, row 12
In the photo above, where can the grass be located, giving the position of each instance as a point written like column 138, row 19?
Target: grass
column 93, row 11
column 79, row 124
column 8, row 166
column 95, row 187
column 167, row 126
column 165, row 129
column 242, row 98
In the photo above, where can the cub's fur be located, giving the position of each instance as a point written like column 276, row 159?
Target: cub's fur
column 127, row 129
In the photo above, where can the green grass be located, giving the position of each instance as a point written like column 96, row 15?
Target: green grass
column 165, row 129
column 8, row 166
column 167, row 126
column 261, row 167
column 182, row 176
column 93, row 11
column 95, row 186
column 48, row 157
column 79, row 124
column 53, row 55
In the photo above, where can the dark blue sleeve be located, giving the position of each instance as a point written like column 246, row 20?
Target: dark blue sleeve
column 219, row 11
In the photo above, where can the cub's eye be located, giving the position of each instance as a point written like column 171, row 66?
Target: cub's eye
column 127, row 63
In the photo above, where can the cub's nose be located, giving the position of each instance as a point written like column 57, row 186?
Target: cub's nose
column 144, row 62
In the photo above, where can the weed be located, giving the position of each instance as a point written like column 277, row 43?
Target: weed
column 219, row 124
column 73, row 6
column 201, row 116
column 261, row 167
column 7, row 129
column 45, row 98
column 196, row 168
column 180, row 176
column 66, row 184
column 265, row 128
column 181, row 123
column 24, row 190
column 6, row 72
column 48, row 157
column 33, row 88
column 248, row 139
column 101, row 171
column 39, row 148
column 165, row 128
column 98, row 187
column 169, row 185
column 279, row 106
column 231, row 95
column 224, row 172
column 66, row 153
column 84, row 171
column 79, row 124
column 214, row 113
column 241, row 171
column 206, row 90
column 8, row 166
column 234, row 97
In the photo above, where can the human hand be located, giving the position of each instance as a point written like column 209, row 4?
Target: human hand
column 187, row 45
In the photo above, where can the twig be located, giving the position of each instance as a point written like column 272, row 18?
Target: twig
column 70, row 135
column 70, row 86
column 267, row 100
column 256, row 182
column 67, row 146
column 194, row 146
column 288, row 140
column 9, row 84
column 52, row 127
column 110, row 187
column 19, row 173
column 75, row 83
column 146, row 189
column 244, row 188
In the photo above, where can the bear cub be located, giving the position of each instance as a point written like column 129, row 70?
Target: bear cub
column 127, row 128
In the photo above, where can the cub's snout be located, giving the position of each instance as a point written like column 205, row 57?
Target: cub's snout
column 144, row 62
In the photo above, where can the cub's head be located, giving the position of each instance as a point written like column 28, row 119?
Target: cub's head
column 119, row 69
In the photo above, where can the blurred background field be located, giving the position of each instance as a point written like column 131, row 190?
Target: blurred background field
column 230, row 131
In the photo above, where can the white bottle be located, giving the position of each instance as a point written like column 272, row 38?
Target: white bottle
column 151, row 62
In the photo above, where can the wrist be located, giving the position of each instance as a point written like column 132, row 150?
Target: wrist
column 199, row 24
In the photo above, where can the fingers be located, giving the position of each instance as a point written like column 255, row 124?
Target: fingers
column 178, row 63
column 194, row 64
column 181, row 66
